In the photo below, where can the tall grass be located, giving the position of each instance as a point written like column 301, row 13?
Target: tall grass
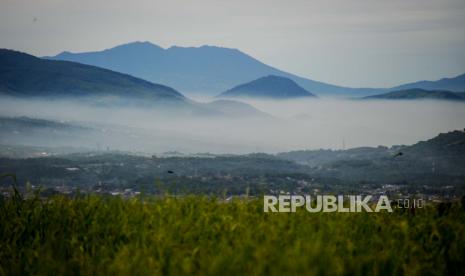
column 95, row 235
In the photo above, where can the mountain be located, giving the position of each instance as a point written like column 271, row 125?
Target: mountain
column 430, row 164
column 24, row 75
column 416, row 93
column 209, row 70
column 445, row 144
column 206, row 70
column 455, row 84
column 273, row 87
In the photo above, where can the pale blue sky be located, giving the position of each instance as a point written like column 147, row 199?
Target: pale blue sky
column 348, row 42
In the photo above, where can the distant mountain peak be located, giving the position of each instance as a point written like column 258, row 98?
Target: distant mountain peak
column 65, row 53
column 270, row 86
column 137, row 44
column 454, row 84
column 277, row 78
column 26, row 76
column 208, row 70
column 204, row 69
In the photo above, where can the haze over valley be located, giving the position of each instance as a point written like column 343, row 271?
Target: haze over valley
column 108, row 109
column 231, row 123
column 155, row 137
column 291, row 125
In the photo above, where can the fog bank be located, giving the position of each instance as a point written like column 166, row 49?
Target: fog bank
column 295, row 125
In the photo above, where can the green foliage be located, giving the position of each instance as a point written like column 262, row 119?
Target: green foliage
column 95, row 235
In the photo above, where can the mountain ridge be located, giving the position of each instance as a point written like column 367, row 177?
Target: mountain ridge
column 26, row 76
column 271, row 86
column 210, row 70
column 22, row 74
column 224, row 67
column 453, row 84
column 417, row 94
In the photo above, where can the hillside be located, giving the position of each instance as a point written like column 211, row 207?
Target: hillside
column 273, row 87
column 416, row 93
column 455, row 84
column 23, row 75
column 435, row 166
column 433, row 162
column 206, row 70
column 445, row 144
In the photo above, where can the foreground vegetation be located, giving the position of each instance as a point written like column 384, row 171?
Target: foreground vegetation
column 95, row 235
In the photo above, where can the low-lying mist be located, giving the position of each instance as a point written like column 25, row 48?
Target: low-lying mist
column 293, row 125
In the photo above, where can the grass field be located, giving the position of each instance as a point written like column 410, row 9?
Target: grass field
column 93, row 235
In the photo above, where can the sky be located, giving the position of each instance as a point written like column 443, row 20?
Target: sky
column 357, row 43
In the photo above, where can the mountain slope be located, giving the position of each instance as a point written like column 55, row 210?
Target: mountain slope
column 25, row 75
column 209, row 70
column 204, row 70
column 273, row 87
column 429, row 164
column 455, row 84
column 416, row 93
